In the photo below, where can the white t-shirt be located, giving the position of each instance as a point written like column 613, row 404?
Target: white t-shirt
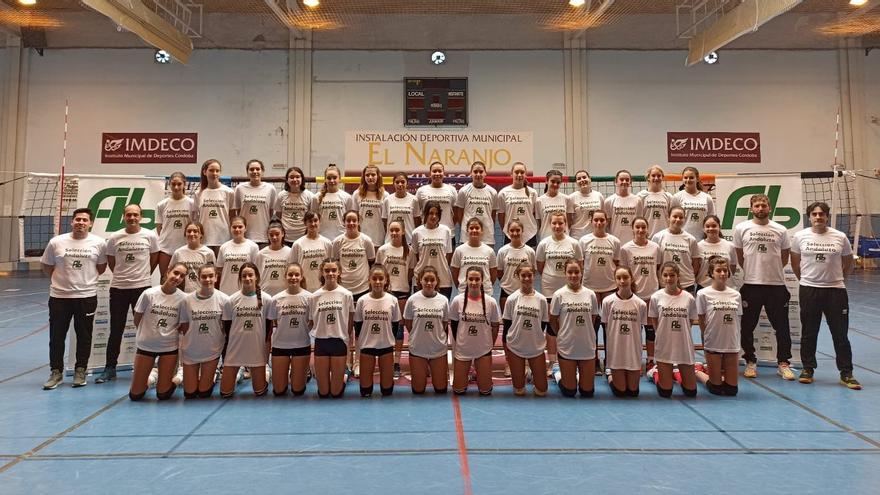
column 193, row 259
column 623, row 320
column 429, row 315
column 696, row 209
column 722, row 310
column 546, row 206
column 230, row 258
column 247, row 335
column 680, row 249
column 331, row 209
column 291, row 315
column 371, row 217
column 290, row 208
column 527, row 314
column 621, row 210
column 377, row 316
column 516, row 204
column 431, row 247
column 821, row 263
column 398, row 268
column 509, row 258
column 273, row 269
column 405, row 209
column 480, row 203
column 724, row 249
column 204, row 340
column 330, row 311
column 474, row 334
column 601, row 255
column 576, row 337
column 762, row 247
column 673, row 343
column 655, row 208
column 582, row 205
column 75, row 261
column 132, row 252
column 354, row 256
column 554, row 254
column 643, row 262
column 309, row 253
column 482, row 257
column 445, row 195
column 162, row 314
column 173, row 215
column 255, row 205
column 213, row 213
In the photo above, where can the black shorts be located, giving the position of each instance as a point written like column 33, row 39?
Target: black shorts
column 155, row 354
column 372, row 351
column 293, row 352
column 504, row 294
column 355, row 297
column 400, row 295
column 333, row 347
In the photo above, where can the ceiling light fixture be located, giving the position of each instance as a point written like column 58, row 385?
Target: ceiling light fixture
column 711, row 58
column 27, row 2
column 162, row 57
column 577, row 3
column 311, row 3
column 438, row 58
column 858, row 3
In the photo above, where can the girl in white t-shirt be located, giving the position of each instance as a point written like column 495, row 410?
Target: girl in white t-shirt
column 474, row 319
column 680, row 247
column 601, row 258
column 172, row 216
column 367, row 200
column 376, row 314
column 247, row 320
column 474, row 254
column 574, row 312
column 426, row 316
column 310, row 250
column 624, row 314
column 331, row 317
column 552, row 201
column 160, row 317
column 525, row 320
column 331, row 203
column 255, row 201
column 355, row 252
column 399, row 261
column 714, row 245
column 719, row 308
column 401, row 207
column 233, row 253
column 193, row 255
column 517, row 202
column 214, row 201
column 672, row 311
column 643, row 257
column 510, row 256
column 696, row 203
column 622, row 207
column 291, row 343
column 202, row 344
column 656, row 202
column 292, row 204
column 432, row 243
column 583, row 202
column 477, row 200
column 443, row 194
column 272, row 260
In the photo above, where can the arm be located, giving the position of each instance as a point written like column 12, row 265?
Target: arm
column 136, row 317
column 847, row 262
column 100, row 268
column 796, row 265
column 158, row 228
column 697, row 263
column 351, row 328
column 740, row 257
column 457, row 213
column 495, row 331
column 111, row 262
column 183, row 327
column 785, row 255
column 702, row 323
column 47, row 269
column 540, row 266
column 652, row 321
column 454, row 271
column 493, row 274
column 554, row 325
column 154, row 261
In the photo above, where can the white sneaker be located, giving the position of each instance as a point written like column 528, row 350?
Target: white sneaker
column 268, row 374
column 357, row 370
column 785, row 372
column 507, row 371
column 153, row 379
column 239, row 377
column 555, row 373
column 178, row 377
column 528, row 373
column 246, row 374
column 751, row 370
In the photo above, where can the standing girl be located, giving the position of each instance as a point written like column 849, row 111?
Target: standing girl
column 292, row 204
column 601, row 258
column 573, row 314
column 355, row 252
column 401, row 207
column 254, row 201
column 672, row 311
column 643, row 258
column 681, row 248
column 719, row 308
column 272, row 260
column 233, row 254
column 715, row 245
column 511, row 256
column 475, row 319
column 552, row 201
column 477, row 200
column 517, row 202
column 696, row 203
column 172, row 216
column 474, row 254
column 331, row 203
column 426, row 316
column 375, row 317
column 193, row 255
column 246, row 319
column 291, row 343
column 443, row 194
column 160, row 316
column 214, row 202
column 310, row 250
column 525, row 319
column 201, row 346
column 622, row 207
column 656, row 202
column 367, row 200
column 584, row 201
column 432, row 243
column 399, row 261
column 623, row 314
column 331, row 317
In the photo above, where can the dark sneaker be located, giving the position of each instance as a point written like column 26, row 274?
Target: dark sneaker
column 55, row 379
column 108, row 375
column 850, row 382
column 806, row 376
column 79, row 377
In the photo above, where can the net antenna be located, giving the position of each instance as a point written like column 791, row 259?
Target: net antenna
column 63, row 166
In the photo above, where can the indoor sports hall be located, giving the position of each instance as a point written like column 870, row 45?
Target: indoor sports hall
column 107, row 104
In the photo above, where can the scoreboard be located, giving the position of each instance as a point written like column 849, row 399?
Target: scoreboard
column 436, row 101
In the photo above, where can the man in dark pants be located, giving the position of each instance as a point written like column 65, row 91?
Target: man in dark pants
column 762, row 249
column 73, row 261
column 822, row 257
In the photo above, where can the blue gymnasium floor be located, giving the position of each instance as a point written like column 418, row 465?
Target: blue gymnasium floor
column 774, row 437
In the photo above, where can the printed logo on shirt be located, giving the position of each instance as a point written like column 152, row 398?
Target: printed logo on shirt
column 472, row 330
column 762, row 248
column 675, row 325
column 527, row 324
column 429, row 326
column 820, row 257
column 293, row 322
column 213, row 213
column 331, row 319
column 624, row 329
column 253, row 209
column 203, row 328
column 374, row 329
column 162, row 323
column 580, row 321
column 129, row 257
column 644, row 271
column 178, row 224
column 77, row 265
column 313, row 265
column 728, row 319
column 248, row 325
column 656, row 214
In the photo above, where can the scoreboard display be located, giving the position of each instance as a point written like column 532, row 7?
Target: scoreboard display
column 436, row 101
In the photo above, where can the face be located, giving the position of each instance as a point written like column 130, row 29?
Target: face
column 248, row 278
column 275, row 236
column 176, row 275
column 429, row 282
column 433, row 217
column 400, row 185
column 676, row 219
column 312, row 225
column 213, row 172
column 515, row 232
column 254, row 171
column 689, row 179
column 377, row 281
column 557, row 223
column 640, row 229
column 711, row 228
column 207, row 278
column 237, row 228
column 623, row 279
column 193, row 234
column 655, row 177
column 331, row 273
column 553, row 183
column 293, row 276
column 669, row 277
column 177, row 186
column 478, row 172
column 395, row 232
column 351, row 222
column 519, row 174
column 624, row 181
column 437, row 174
column 474, row 281
column 583, row 180
column 573, row 274
column 526, row 277
column 331, row 178
column 818, row 218
column 475, row 231
column 760, row 209
column 132, row 216
column 294, row 180
column 720, row 273
column 599, row 221
column 81, row 223
column 371, row 175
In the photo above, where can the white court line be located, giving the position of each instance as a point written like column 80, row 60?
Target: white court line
column 20, row 295
column 22, row 316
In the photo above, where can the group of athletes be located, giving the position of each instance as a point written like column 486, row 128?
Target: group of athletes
column 252, row 276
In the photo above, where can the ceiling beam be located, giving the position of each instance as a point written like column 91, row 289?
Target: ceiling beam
column 136, row 17
column 11, row 30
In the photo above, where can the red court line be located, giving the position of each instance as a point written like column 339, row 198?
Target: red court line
column 462, row 447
